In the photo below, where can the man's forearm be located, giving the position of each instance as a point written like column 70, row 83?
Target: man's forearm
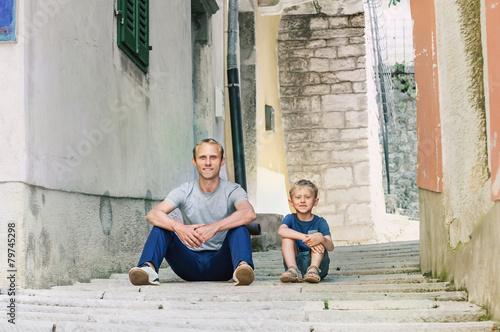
column 160, row 219
column 236, row 219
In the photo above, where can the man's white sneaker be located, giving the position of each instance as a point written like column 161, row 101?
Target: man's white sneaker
column 243, row 275
column 143, row 275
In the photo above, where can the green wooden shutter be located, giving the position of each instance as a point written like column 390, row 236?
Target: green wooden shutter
column 143, row 31
column 133, row 30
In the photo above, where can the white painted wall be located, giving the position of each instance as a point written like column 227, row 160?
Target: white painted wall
column 12, row 115
column 80, row 121
column 96, row 123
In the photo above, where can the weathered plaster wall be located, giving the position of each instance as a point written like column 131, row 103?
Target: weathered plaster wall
column 463, row 117
column 12, row 117
column 460, row 226
column 96, row 122
column 474, row 265
column 208, row 76
column 66, row 237
column 12, row 136
column 248, row 95
column 326, row 121
column 91, row 142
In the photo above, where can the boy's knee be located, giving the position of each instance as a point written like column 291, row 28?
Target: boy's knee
column 288, row 245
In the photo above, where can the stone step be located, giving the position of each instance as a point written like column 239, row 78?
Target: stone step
column 344, row 312
column 394, row 316
column 360, row 278
column 406, row 327
column 284, row 295
column 390, row 267
column 269, row 325
column 181, row 325
column 355, row 301
column 264, row 326
column 274, row 286
column 375, row 288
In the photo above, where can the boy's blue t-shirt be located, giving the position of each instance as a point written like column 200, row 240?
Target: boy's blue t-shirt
column 317, row 224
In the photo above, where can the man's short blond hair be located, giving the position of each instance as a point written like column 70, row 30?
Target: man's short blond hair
column 208, row 140
column 304, row 183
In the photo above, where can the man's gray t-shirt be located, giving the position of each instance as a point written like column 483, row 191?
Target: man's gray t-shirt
column 198, row 207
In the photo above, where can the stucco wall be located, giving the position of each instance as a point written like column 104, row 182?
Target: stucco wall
column 66, row 237
column 463, row 116
column 12, row 115
column 248, row 96
column 97, row 123
column 475, row 265
column 460, row 226
column 91, row 142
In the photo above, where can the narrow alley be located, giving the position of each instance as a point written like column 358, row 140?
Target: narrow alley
column 375, row 287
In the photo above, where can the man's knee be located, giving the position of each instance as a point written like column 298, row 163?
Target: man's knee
column 239, row 230
column 161, row 232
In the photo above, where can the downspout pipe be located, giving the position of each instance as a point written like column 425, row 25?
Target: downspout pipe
column 234, row 95
column 235, row 104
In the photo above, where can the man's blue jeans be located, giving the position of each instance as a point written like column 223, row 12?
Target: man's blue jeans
column 217, row 265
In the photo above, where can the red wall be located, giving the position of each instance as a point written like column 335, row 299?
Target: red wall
column 429, row 160
column 493, row 45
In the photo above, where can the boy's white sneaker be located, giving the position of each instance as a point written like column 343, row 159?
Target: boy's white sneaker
column 243, row 275
column 143, row 275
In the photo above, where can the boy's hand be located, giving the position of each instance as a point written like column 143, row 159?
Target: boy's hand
column 318, row 249
column 313, row 240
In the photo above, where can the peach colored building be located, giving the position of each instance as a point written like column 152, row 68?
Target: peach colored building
column 458, row 122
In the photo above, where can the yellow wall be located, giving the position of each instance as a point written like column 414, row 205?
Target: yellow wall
column 272, row 177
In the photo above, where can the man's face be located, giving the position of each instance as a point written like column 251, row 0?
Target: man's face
column 208, row 161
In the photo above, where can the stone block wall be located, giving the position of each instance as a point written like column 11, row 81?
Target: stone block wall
column 402, row 141
column 325, row 117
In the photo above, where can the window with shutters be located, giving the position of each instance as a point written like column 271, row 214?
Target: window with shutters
column 133, row 30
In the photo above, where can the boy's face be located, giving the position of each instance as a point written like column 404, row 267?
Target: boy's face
column 303, row 200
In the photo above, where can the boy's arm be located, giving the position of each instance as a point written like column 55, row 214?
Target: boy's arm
column 287, row 233
column 317, row 239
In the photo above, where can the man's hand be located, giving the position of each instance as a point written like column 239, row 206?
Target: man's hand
column 313, row 240
column 206, row 233
column 189, row 236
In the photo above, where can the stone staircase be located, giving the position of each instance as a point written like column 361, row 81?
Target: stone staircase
column 370, row 288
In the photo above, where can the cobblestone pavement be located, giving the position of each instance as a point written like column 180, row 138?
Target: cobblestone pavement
column 375, row 287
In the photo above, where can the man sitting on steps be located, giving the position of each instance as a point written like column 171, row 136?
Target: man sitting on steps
column 213, row 243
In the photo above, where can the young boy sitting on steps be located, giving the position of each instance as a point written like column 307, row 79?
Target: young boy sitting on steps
column 305, row 237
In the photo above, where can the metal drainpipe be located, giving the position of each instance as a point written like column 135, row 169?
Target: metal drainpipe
column 235, row 104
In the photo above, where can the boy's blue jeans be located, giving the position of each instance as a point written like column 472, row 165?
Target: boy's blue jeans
column 303, row 259
column 217, row 265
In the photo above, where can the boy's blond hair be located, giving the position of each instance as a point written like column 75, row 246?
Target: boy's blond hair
column 304, row 183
